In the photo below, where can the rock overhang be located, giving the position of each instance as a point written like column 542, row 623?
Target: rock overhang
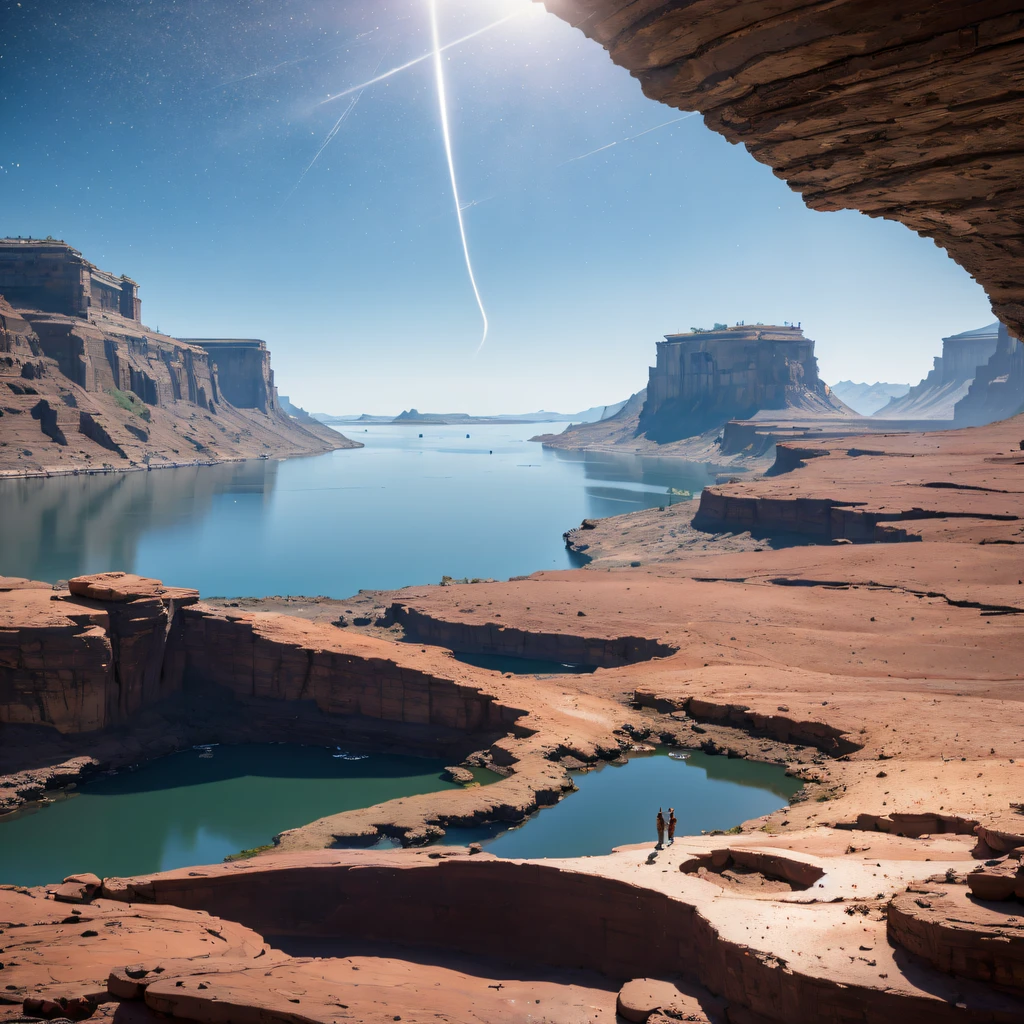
column 899, row 110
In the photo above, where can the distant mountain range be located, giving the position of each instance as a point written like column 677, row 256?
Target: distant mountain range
column 867, row 398
column 592, row 415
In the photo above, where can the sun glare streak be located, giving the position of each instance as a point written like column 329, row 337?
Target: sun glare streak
column 619, row 142
column 443, row 104
column 419, row 60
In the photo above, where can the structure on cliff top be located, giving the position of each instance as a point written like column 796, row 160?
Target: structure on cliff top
column 703, row 378
column 53, row 277
column 935, row 398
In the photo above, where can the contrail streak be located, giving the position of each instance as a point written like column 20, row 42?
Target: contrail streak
column 287, row 63
column 330, row 135
column 601, row 149
column 327, row 141
column 443, row 104
column 419, row 60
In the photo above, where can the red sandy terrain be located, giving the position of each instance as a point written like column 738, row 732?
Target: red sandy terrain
column 888, row 675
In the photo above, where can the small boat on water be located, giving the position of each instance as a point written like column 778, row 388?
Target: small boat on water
column 678, row 756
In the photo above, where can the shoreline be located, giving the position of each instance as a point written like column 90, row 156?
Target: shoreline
column 69, row 775
column 48, row 473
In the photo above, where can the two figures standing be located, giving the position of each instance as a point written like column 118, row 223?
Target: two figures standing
column 660, row 822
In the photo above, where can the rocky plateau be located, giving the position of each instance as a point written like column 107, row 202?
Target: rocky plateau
column 836, row 617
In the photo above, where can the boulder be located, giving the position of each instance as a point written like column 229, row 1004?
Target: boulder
column 456, row 773
column 126, row 586
column 78, row 889
column 998, row 882
column 642, row 998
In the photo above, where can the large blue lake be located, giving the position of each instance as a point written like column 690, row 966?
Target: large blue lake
column 403, row 510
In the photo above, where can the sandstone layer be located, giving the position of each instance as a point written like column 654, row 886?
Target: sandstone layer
column 108, row 960
column 935, row 486
column 104, row 393
column 561, row 937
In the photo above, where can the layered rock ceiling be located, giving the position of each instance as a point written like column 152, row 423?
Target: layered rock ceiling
column 902, row 110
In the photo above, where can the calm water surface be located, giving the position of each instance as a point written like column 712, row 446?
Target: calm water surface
column 404, row 510
column 188, row 809
column 615, row 806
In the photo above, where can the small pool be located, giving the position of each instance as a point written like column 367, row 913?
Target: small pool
column 617, row 805
column 521, row 666
column 200, row 806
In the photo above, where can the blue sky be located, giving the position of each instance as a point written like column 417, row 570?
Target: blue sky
column 168, row 139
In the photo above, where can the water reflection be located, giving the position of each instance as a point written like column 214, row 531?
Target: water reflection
column 405, row 510
column 65, row 526
column 650, row 473
column 616, row 806
column 189, row 809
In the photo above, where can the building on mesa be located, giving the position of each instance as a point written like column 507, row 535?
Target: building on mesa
column 705, row 377
column 53, row 277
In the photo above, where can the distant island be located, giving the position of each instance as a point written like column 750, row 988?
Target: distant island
column 591, row 415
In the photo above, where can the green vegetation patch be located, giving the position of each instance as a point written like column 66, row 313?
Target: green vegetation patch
column 130, row 402
column 246, row 854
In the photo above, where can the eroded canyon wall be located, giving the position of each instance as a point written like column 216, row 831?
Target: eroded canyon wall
column 113, row 645
column 108, row 352
column 997, row 391
column 243, row 371
column 703, row 378
column 84, row 660
column 83, row 386
column 539, row 913
column 274, row 657
column 936, row 396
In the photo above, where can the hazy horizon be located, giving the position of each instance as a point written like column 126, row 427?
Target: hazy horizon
column 178, row 146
